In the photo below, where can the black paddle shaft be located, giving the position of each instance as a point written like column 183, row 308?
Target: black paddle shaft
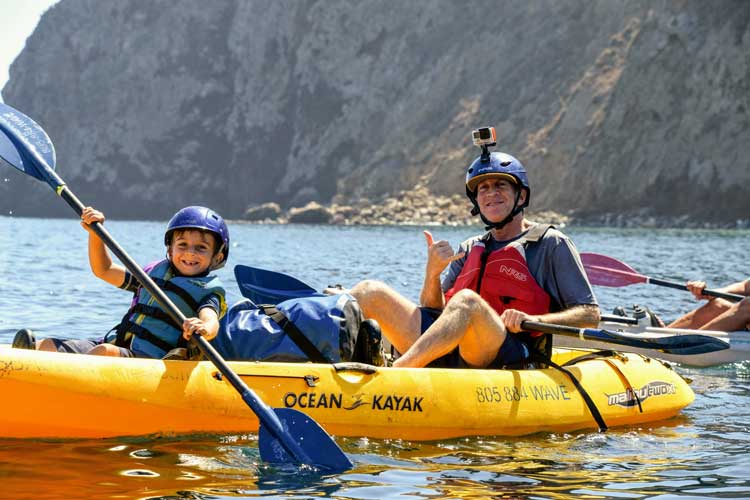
column 677, row 344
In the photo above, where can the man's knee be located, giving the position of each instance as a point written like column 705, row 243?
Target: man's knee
column 719, row 306
column 468, row 300
column 371, row 290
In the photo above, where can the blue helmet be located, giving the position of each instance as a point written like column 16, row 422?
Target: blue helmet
column 204, row 219
column 502, row 165
column 496, row 165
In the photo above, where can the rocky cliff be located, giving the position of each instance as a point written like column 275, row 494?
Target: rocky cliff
column 637, row 107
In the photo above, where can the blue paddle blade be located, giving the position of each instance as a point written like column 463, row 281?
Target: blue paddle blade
column 9, row 152
column 269, row 287
column 26, row 146
column 322, row 450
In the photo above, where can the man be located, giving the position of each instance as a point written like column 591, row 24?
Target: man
column 717, row 314
column 518, row 271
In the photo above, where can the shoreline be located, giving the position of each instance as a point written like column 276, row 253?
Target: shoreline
column 572, row 223
column 454, row 211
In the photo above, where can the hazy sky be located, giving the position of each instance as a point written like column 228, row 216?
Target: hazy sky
column 18, row 18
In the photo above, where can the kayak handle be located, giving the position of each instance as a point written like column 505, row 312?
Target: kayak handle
column 355, row 367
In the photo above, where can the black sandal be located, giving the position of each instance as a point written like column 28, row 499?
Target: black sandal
column 24, row 339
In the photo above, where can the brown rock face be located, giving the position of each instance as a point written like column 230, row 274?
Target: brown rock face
column 617, row 107
column 265, row 211
column 312, row 213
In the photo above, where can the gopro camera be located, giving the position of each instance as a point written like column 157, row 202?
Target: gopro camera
column 484, row 136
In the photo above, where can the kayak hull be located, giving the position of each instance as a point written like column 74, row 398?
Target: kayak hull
column 77, row 396
column 739, row 344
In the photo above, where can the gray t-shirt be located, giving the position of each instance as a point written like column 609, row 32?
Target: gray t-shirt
column 554, row 263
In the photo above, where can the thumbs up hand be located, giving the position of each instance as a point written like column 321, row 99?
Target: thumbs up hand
column 439, row 255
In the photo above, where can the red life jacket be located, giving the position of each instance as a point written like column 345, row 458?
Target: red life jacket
column 502, row 277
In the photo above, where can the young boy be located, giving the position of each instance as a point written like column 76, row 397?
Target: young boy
column 197, row 241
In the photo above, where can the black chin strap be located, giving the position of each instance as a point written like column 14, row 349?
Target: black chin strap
column 489, row 225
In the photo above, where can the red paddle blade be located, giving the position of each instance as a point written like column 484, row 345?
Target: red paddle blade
column 606, row 271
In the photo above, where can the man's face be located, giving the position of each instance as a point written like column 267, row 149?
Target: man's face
column 495, row 197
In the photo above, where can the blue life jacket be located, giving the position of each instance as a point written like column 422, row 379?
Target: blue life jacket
column 147, row 329
column 322, row 329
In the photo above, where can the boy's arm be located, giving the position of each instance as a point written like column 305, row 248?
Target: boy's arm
column 99, row 258
column 206, row 324
column 101, row 263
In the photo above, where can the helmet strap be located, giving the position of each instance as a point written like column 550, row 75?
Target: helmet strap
column 499, row 225
column 489, row 225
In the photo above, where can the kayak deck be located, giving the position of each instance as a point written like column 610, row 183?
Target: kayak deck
column 68, row 395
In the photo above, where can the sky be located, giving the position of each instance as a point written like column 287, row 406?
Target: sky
column 18, row 18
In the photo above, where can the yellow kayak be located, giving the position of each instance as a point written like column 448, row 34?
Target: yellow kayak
column 76, row 396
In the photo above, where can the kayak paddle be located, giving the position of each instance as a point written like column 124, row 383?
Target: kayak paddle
column 674, row 344
column 285, row 435
column 607, row 271
column 275, row 282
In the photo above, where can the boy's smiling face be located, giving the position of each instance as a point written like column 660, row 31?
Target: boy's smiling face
column 192, row 252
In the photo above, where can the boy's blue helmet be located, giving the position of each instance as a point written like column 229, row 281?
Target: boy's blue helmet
column 497, row 164
column 204, row 219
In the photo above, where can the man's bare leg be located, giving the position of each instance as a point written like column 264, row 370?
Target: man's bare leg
column 400, row 319
column 467, row 322
column 706, row 313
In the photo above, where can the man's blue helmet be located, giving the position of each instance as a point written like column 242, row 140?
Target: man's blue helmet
column 204, row 219
column 496, row 165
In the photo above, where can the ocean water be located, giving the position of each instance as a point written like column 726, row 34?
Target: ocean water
column 46, row 285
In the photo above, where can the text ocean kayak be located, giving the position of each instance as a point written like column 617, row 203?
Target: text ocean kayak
column 71, row 396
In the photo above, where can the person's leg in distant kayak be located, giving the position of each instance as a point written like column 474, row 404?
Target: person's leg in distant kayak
column 716, row 313
column 703, row 315
column 737, row 317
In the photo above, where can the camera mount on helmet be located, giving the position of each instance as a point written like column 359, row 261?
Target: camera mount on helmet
column 485, row 138
column 495, row 164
